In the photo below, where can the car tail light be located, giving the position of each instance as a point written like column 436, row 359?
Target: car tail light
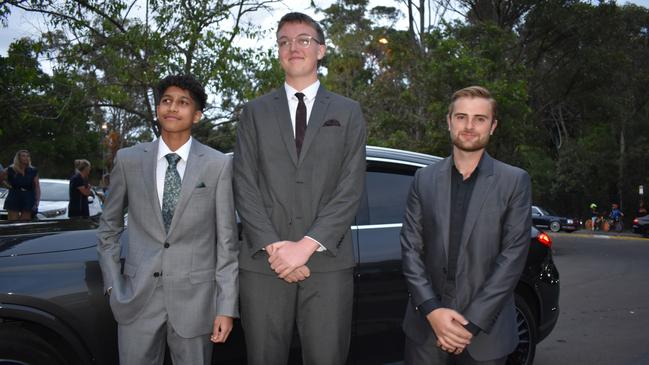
column 544, row 239
column 635, row 221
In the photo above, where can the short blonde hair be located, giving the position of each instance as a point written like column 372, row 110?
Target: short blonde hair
column 473, row 92
column 81, row 164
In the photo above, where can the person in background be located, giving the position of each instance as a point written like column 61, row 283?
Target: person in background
column 24, row 188
column 616, row 214
column 642, row 211
column 594, row 216
column 79, row 190
column 105, row 185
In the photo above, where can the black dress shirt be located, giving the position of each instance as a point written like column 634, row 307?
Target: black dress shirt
column 461, row 191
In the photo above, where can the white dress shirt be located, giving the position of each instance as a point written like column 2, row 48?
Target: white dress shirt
column 309, row 97
column 161, row 167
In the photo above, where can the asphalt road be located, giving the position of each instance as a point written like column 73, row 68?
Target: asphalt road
column 604, row 301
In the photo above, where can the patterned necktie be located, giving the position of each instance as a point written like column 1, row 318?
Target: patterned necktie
column 171, row 189
column 300, row 122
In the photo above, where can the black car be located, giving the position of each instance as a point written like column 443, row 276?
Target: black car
column 641, row 225
column 544, row 218
column 53, row 311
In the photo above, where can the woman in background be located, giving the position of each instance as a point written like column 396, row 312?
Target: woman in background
column 79, row 190
column 24, row 192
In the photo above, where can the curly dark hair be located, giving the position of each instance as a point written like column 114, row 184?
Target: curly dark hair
column 185, row 82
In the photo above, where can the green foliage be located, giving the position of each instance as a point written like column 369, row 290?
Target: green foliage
column 41, row 114
column 570, row 78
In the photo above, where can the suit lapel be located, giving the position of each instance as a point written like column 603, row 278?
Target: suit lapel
column 480, row 192
column 149, row 163
column 316, row 119
column 283, row 119
column 189, row 180
column 443, row 191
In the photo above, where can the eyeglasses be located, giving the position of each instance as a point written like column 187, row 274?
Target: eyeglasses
column 303, row 41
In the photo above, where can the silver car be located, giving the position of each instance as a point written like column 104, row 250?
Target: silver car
column 55, row 195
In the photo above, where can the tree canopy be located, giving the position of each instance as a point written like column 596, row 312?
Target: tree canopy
column 570, row 78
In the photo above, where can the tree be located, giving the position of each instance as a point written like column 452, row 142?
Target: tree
column 117, row 56
column 41, row 114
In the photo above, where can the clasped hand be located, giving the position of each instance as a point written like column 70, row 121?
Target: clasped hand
column 448, row 326
column 288, row 259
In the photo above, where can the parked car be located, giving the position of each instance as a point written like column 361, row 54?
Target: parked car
column 641, row 225
column 544, row 218
column 53, row 311
column 55, row 196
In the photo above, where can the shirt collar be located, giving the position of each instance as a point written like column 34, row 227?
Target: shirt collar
column 183, row 151
column 310, row 91
column 477, row 168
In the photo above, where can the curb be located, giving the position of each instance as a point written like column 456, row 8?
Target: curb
column 616, row 236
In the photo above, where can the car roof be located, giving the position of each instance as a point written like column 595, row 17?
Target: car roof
column 393, row 155
column 55, row 181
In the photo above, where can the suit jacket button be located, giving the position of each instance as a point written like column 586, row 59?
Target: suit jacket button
column 156, row 274
column 166, row 245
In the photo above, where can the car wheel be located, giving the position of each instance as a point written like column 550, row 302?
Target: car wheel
column 555, row 226
column 20, row 346
column 526, row 322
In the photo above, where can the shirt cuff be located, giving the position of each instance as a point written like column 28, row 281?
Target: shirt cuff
column 428, row 306
column 473, row 328
column 321, row 248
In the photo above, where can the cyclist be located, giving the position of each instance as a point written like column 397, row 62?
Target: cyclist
column 616, row 216
column 594, row 216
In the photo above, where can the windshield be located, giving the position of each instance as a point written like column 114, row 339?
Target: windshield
column 51, row 191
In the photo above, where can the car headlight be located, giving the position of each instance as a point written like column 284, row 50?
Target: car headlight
column 570, row 221
column 54, row 212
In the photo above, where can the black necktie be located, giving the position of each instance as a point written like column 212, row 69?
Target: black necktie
column 300, row 122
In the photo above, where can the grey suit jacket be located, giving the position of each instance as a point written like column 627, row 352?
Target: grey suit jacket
column 493, row 250
column 282, row 197
column 197, row 257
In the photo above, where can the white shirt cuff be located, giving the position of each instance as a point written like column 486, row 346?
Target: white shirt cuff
column 321, row 248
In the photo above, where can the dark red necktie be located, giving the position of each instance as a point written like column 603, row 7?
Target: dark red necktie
column 300, row 122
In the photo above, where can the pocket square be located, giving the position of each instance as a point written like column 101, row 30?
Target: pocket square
column 200, row 185
column 332, row 123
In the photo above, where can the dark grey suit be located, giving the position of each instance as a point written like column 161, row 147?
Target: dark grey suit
column 492, row 254
column 195, row 262
column 282, row 197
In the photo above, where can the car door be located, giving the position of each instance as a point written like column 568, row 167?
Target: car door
column 381, row 292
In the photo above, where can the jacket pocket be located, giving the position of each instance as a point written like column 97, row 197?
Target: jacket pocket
column 202, row 276
column 130, row 270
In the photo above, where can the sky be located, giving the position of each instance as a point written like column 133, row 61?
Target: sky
column 23, row 24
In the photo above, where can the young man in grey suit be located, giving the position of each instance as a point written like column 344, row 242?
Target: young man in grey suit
column 299, row 168
column 180, row 278
column 464, row 243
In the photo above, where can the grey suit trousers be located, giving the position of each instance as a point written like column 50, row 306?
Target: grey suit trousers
column 320, row 307
column 429, row 354
column 143, row 340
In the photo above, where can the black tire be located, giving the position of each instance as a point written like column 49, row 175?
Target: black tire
column 555, row 226
column 20, row 346
column 527, row 333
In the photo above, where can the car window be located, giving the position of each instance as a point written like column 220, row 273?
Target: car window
column 54, row 191
column 387, row 186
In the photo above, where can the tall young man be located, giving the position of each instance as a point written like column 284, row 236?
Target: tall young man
column 464, row 243
column 299, row 167
column 179, row 282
